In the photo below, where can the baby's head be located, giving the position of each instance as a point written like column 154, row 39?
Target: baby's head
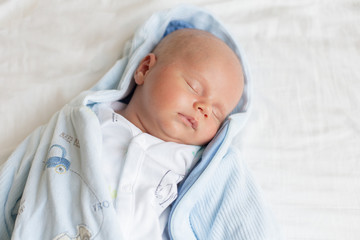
column 186, row 88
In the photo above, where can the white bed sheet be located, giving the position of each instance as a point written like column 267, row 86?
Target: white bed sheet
column 303, row 138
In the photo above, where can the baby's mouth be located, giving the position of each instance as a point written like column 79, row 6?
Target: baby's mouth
column 189, row 121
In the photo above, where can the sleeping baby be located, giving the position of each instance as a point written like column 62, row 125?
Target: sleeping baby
column 150, row 158
column 185, row 89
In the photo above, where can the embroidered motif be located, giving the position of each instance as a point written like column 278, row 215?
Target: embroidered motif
column 61, row 164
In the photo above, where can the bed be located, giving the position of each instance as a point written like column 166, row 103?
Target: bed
column 302, row 140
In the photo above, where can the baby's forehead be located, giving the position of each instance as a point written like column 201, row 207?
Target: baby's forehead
column 188, row 38
column 193, row 41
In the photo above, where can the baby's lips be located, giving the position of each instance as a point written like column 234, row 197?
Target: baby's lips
column 194, row 123
column 189, row 121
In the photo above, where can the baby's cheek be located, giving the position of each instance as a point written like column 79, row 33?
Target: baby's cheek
column 208, row 133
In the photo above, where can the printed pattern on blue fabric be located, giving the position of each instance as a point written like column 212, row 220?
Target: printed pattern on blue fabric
column 58, row 158
column 60, row 163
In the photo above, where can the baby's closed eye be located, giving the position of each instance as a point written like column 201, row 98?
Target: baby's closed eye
column 195, row 86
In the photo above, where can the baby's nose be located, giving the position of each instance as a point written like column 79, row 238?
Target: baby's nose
column 204, row 108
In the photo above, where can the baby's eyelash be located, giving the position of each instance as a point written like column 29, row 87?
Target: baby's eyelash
column 191, row 87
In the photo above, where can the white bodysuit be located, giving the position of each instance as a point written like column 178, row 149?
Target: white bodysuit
column 142, row 172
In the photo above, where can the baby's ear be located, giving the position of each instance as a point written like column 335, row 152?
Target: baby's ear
column 145, row 65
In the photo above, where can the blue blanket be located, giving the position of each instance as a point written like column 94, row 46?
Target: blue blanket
column 51, row 186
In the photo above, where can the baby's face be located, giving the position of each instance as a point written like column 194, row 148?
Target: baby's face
column 185, row 98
